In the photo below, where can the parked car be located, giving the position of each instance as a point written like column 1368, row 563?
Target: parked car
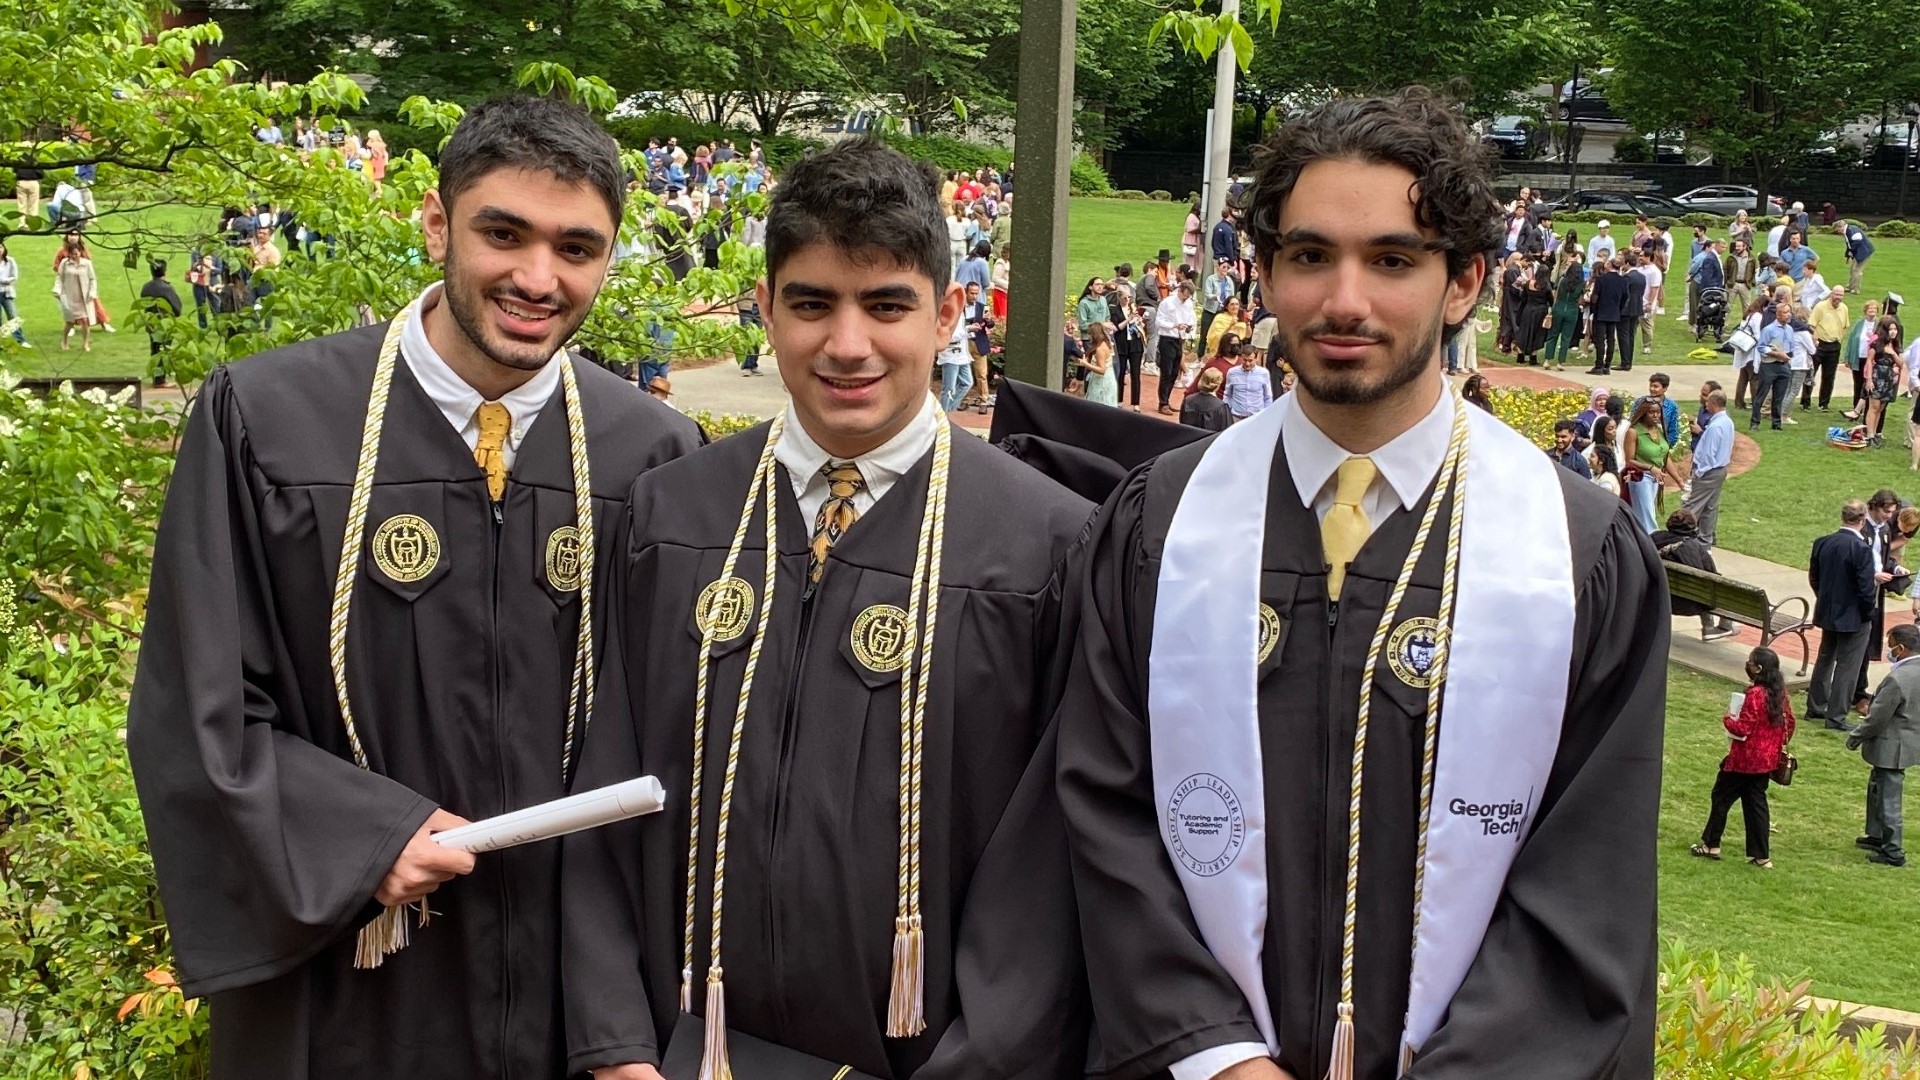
column 1517, row 137
column 1727, row 199
column 1588, row 104
column 1614, row 201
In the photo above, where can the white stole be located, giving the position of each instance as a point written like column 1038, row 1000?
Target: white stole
column 1506, row 685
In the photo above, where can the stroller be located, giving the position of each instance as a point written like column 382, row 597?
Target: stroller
column 1711, row 313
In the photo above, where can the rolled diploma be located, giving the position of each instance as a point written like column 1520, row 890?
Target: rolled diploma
column 1734, row 701
column 586, row 810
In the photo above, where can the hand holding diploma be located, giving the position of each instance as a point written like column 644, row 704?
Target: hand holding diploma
column 586, row 810
column 423, row 865
column 631, row 1071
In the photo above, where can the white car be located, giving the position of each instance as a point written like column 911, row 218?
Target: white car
column 1727, row 199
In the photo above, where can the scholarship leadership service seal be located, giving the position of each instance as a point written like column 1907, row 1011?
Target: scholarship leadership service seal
column 1205, row 828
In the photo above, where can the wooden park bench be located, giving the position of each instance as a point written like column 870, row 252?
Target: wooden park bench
column 1744, row 603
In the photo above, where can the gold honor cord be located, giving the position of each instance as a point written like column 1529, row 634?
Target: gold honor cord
column 1341, row 1065
column 388, row 933
column 906, row 1006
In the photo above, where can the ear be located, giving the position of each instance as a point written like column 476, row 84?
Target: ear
column 435, row 224
column 763, row 296
column 953, row 306
column 1463, row 290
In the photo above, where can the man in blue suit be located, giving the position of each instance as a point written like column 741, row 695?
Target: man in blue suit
column 1845, row 583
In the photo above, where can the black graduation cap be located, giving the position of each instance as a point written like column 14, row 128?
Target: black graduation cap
column 1165, row 255
column 1087, row 447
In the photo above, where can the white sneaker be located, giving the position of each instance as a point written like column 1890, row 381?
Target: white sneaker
column 1790, row 420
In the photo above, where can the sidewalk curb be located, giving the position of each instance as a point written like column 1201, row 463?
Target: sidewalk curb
column 1900, row 1026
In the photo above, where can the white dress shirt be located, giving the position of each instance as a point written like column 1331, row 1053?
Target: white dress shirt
column 1407, row 466
column 459, row 402
column 880, row 469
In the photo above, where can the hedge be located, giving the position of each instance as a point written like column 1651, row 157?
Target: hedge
column 1899, row 230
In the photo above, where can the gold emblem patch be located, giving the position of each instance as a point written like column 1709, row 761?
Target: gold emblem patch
column 1269, row 633
column 880, row 638
column 406, row 548
column 563, row 558
column 724, row 608
column 1417, row 651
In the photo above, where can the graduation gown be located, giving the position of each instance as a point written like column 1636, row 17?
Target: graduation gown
column 813, row 846
column 1563, row 984
column 268, row 840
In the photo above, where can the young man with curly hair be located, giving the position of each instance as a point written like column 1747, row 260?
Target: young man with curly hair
column 1294, row 857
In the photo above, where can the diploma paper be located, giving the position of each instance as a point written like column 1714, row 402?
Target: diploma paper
column 1734, row 702
column 586, row 810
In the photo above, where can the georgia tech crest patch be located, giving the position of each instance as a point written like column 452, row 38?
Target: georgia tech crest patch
column 406, row 548
column 563, row 558
column 724, row 608
column 1269, row 633
column 1416, row 651
column 880, row 638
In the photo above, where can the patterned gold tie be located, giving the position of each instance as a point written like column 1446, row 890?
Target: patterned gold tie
column 489, row 450
column 837, row 514
column 1345, row 528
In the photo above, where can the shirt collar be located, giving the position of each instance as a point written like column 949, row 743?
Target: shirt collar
column 803, row 458
column 1408, row 463
column 456, row 399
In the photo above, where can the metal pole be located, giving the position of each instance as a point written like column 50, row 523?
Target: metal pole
column 1906, row 166
column 1206, row 169
column 1220, row 137
column 1043, row 121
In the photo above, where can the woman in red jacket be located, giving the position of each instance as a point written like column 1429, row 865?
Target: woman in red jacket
column 1760, row 732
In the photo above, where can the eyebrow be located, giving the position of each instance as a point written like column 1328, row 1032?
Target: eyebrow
column 494, row 215
column 801, row 290
column 1410, row 240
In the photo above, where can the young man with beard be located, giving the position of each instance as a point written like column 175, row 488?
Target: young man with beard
column 373, row 617
column 833, row 648
column 1256, row 763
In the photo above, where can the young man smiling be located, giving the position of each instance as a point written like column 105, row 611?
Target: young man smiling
column 856, row 718
column 1253, row 707
column 371, row 599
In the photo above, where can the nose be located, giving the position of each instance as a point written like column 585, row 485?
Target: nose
column 534, row 277
column 1346, row 302
column 847, row 339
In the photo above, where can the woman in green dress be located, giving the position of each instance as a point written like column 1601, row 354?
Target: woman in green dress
column 1563, row 324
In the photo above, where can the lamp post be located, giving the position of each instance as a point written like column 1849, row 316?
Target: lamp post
column 1572, row 138
column 1912, row 112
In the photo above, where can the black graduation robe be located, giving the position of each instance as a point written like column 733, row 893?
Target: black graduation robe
column 1563, row 984
column 811, row 881
column 269, row 841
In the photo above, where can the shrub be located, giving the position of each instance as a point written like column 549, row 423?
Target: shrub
column 720, row 425
column 1713, row 222
column 1532, row 412
column 1086, row 177
column 948, row 153
column 1160, row 196
column 1719, row 1021
column 1130, row 194
column 1633, row 148
column 1898, row 230
column 83, row 948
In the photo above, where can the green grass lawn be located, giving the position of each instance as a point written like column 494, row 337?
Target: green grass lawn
column 124, row 353
column 1102, row 233
column 1823, row 912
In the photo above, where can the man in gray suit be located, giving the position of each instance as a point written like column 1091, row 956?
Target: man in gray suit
column 1890, row 741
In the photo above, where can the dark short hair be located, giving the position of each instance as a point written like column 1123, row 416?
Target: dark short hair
column 1566, row 425
column 158, row 267
column 868, row 200
column 537, row 133
column 1681, row 521
column 1415, row 129
column 1905, row 635
column 1884, row 499
column 1711, row 385
column 1661, row 378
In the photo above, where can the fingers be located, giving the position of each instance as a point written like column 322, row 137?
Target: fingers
column 442, row 820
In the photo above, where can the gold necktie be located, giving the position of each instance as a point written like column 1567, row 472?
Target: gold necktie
column 489, row 450
column 837, row 514
column 1346, row 527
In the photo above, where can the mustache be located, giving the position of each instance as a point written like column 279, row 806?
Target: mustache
column 555, row 301
column 1329, row 328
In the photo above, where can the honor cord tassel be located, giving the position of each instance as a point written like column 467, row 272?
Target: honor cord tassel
column 713, row 1059
column 1340, row 1066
